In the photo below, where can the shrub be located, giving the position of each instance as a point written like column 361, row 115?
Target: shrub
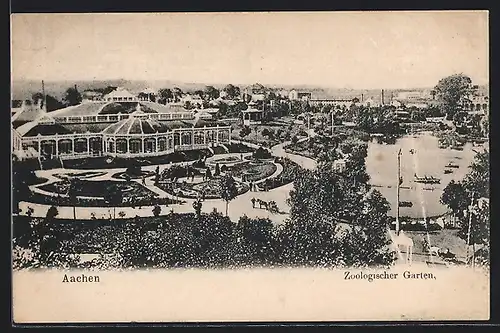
column 261, row 153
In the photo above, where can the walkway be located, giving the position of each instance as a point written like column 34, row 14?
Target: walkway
column 238, row 207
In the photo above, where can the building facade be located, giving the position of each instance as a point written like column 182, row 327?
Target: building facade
column 126, row 129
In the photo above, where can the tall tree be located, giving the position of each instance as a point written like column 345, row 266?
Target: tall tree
column 177, row 93
column 72, row 96
column 450, row 92
column 211, row 92
column 52, row 102
column 165, row 95
column 232, row 91
column 228, row 189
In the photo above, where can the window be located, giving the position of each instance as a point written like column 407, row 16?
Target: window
column 176, row 116
column 102, row 118
column 186, row 138
column 199, row 138
column 113, row 118
column 135, row 146
column 121, row 146
column 88, row 119
column 74, row 119
column 124, row 116
column 60, row 119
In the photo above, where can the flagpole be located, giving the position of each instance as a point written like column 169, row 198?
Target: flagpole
column 397, row 192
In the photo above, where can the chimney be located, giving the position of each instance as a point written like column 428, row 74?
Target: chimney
column 362, row 97
column 382, row 102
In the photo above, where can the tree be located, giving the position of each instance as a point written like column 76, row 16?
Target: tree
column 197, row 208
column 211, row 92
column 72, row 191
column 485, row 125
column 228, row 189
column 52, row 102
column 199, row 93
column 156, row 210
column 114, row 197
column 451, row 90
column 72, row 96
column 456, row 198
column 232, row 91
column 165, row 95
column 177, row 93
column 217, row 170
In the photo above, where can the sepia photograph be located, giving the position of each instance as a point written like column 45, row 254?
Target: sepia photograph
column 250, row 166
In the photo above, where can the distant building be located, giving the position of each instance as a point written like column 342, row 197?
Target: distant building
column 90, row 96
column 413, row 95
column 344, row 102
column 252, row 116
column 340, row 165
column 476, row 103
column 295, row 95
column 120, row 95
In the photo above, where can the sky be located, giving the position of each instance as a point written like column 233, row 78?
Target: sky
column 358, row 50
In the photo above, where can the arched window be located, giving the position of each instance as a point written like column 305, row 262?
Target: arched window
column 149, row 145
column 186, row 138
column 162, row 144
column 80, row 145
column 121, row 146
column 135, row 146
column 65, row 146
column 199, row 138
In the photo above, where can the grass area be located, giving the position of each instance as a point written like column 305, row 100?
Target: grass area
column 280, row 132
column 219, row 150
column 89, row 174
column 106, row 162
column 98, row 188
column 239, row 148
column 254, row 170
column 133, row 193
column 446, row 238
column 122, row 175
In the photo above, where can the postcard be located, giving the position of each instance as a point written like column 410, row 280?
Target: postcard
column 250, row 167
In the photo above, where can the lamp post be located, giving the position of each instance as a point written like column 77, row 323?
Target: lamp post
column 469, row 230
column 397, row 192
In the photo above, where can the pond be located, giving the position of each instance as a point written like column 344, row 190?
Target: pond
column 427, row 160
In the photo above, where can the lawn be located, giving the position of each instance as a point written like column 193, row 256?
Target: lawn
column 133, row 193
column 106, row 162
column 259, row 134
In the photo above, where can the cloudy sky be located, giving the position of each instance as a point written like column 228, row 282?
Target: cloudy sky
column 343, row 49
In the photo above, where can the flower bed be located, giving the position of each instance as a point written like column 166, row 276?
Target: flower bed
column 193, row 191
column 106, row 162
column 254, row 170
column 89, row 174
column 290, row 171
column 123, row 175
column 133, row 193
column 240, row 148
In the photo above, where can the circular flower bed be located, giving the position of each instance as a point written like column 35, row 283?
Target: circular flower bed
column 254, row 170
column 82, row 175
column 123, row 175
column 211, row 189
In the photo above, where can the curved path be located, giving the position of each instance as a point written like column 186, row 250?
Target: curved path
column 238, row 207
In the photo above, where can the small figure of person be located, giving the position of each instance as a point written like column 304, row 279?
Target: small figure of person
column 251, row 186
column 203, row 195
column 143, row 180
column 241, row 156
column 253, row 202
column 192, row 176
